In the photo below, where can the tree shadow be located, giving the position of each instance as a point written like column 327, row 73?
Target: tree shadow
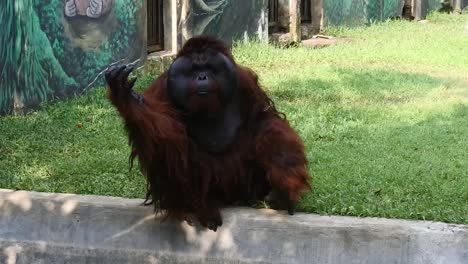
column 375, row 84
column 400, row 169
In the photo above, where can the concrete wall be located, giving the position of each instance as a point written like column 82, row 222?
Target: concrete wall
column 288, row 28
column 317, row 20
column 360, row 12
column 350, row 13
column 170, row 14
column 65, row 228
column 283, row 14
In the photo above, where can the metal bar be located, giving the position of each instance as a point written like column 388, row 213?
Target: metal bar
column 306, row 11
column 272, row 12
column 155, row 25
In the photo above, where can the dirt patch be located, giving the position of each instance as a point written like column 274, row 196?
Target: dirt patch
column 324, row 41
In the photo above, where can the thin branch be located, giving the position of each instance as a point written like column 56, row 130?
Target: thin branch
column 110, row 65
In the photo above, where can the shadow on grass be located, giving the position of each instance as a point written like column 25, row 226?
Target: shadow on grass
column 77, row 146
column 410, row 170
column 382, row 143
column 365, row 84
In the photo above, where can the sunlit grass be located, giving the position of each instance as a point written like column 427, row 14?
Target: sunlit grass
column 384, row 119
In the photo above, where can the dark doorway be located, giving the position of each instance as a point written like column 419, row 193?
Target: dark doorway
column 306, row 11
column 155, row 25
column 272, row 13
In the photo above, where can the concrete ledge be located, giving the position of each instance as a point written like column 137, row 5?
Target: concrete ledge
column 63, row 228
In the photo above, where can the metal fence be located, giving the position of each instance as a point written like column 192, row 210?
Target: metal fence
column 273, row 12
column 306, row 13
column 155, row 25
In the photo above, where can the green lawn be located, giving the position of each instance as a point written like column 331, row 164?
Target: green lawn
column 384, row 119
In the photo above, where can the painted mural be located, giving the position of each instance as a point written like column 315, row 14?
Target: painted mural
column 360, row 12
column 57, row 48
column 227, row 19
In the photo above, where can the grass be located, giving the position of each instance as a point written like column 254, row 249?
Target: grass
column 384, row 119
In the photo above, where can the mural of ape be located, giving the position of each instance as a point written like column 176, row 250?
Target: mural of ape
column 89, row 8
column 57, row 48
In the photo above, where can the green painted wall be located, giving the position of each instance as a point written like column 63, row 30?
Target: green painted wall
column 57, row 48
column 359, row 12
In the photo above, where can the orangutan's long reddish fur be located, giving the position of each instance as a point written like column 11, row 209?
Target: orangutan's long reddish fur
column 183, row 179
